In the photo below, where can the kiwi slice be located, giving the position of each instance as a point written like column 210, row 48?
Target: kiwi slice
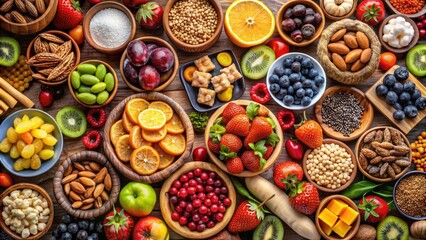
column 9, row 51
column 72, row 121
column 392, row 228
column 416, row 60
column 270, row 228
column 256, row 62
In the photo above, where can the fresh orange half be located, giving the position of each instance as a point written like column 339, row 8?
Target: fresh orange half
column 123, row 149
column 117, row 130
column 154, row 136
column 152, row 119
column 135, row 138
column 249, row 23
column 127, row 124
column 165, row 158
column 145, row 160
column 134, row 107
column 175, row 125
column 173, row 144
column 164, row 107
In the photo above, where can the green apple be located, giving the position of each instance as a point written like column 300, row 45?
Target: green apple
column 138, row 199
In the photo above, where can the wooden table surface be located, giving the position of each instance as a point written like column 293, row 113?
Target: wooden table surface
column 176, row 91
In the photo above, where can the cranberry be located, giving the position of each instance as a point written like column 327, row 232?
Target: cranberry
column 424, row 22
column 210, row 195
column 197, row 172
column 189, row 207
column 173, row 191
column 201, row 196
column 208, row 202
column 215, row 199
column 178, row 209
column 196, row 203
column 227, row 202
column 192, row 226
column 201, row 227
column 173, row 200
column 209, row 213
column 177, row 184
column 212, row 174
column 183, row 220
column 196, row 218
column 186, row 214
column 190, row 175
column 199, row 188
column 192, row 183
column 183, row 178
column 211, row 224
column 175, row 216
column 221, row 197
column 205, row 219
column 224, row 190
column 200, row 222
column 210, row 181
column 214, row 208
column 419, row 25
column 182, row 193
column 209, row 189
column 219, row 216
column 199, row 181
column 217, row 191
column 193, row 197
column 182, row 204
column 203, row 210
column 217, row 183
column 422, row 17
column 422, row 33
column 204, row 176
column 191, row 190
column 185, row 185
column 221, row 208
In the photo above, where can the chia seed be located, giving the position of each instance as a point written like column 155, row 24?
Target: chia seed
column 410, row 195
column 342, row 112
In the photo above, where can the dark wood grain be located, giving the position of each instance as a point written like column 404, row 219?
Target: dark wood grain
column 176, row 91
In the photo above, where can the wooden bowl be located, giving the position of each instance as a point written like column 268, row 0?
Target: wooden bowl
column 414, row 15
column 111, row 94
column 403, row 49
column 63, row 35
column 125, row 169
column 166, row 208
column 358, row 149
column 189, row 47
column 366, row 120
column 35, row 26
column 43, row 193
column 325, row 189
column 221, row 164
column 63, row 200
column 93, row 11
column 355, row 225
column 285, row 35
column 337, row 18
column 165, row 78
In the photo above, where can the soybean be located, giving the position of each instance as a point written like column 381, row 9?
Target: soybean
column 101, row 71
column 109, row 81
column 86, row 68
column 75, row 80
column 98, row 87
column 102, row 97
column 89, row 79
column 87, row 98
column 84, row 89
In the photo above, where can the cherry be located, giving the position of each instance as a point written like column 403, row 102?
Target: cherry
column 227, row 202
column 219, row 216
column 211, row 224
column 175, row 216
column 183, row 220
column 45, row 98
column 197, row 172
column 177, row 184
column 196, row 203
column 173, row 200
column 203, row 210
column 192, row 226
column 201, row 227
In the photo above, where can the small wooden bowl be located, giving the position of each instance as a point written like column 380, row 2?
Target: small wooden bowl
column 93, row 11
column 337, row 18
column 35, row 26
column 366, row 120
column 43, row 193
column 166, row 78
column 124, row 168
column 166, row 208
column 355, row 225
column 414, row 15
column 189, row 47
column 111, row 94
column 358, row 149
column 63, row 35
column 221, row 164
column 285, row 35
column 325, row 189
column 63, row 200
column 403, row 49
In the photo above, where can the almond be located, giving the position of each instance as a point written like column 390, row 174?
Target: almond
column 20, row 5
column 69, row 178
column 74, row 196
column 94, row 166
column 338, row 35
column 17, row 17
column 362, row 40
column 32, row 10
column 357, row 66
column 67, row 189
column 353, row 55
column 104, row 196
column 338, row 61
column 88, row 200
column 41, row 7
column 7, row 6
column 86, row 167
column 79, row 166
column 365, row 55
column 98, row 190
column 101, row 175
column 98, row 202
column 87, row 182
column 77, row 187
column 350, row 41
column 108, row 182
column 89, row 192
column 87, row 206
column 69, row 168
column 87, row 174
column 351, row 33
column 338, row 48
column 77, row 204
column 75, row 171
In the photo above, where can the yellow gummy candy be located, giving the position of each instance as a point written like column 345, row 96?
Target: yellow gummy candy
column 37, row 121
column 11, row 135
column 46, row 154
column 38, row 133
column 24, row 126
column 35, row 162
column 5, row 145
column 28, row 151
column 47, row 127
column 49, row 140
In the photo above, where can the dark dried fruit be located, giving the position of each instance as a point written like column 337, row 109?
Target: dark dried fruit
column 296, row 35
column 308, row 31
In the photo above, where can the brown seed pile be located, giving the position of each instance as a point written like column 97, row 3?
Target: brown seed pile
column 410, row 195
column 193, row 21
column 23, row 11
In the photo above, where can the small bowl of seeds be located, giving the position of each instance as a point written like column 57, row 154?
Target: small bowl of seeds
column 193, row 25
column 409, row 195
column 383, row 154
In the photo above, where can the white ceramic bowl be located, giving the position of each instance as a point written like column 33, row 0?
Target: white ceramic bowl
column 317, row 66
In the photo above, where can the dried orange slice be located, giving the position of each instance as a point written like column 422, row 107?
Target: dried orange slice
column 134, row 107
column 173, row 144
column 127, row 124
column 145, row 160
column 117, row 130
column 154, row 136
column 175, row 125
column 152, row 119
column 135, row 138
column 165, row 158
column 164, row 107
column 123, row 149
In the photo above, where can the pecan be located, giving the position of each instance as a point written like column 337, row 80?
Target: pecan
column 386, row 135
column 389, row 159
column 20, row 5
column 383, row 168
column 39, row 76
column 28, row 18
column 363, row 161
column 379, row 136
column 376, row 160
column 369, row 167
column 53, row 47
column 51, row 38
column 368, row 153
column 396, row 168
column 396, row 137
column 391, row 172
column 386, row 145
column 17, row 17
column 98, row 190
column 31, row 9
column 7, row 6
column 41, row 7
column 64, row 49
column 77, row 204
column 78, row 166
column 375, row 144
column 369, row 137
column 78, row 187
column 69, row 178
column 382, row 152
column 8, row 16
column 402, row 163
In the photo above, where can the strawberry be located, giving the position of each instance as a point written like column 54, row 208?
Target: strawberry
column 239, row 125
column 232, row 142
column 304, row 197
column 268, row 153
column 253, row 159
column 234, row 165
column 309, row 132
column 214, row 147
column 287, row 171
column 260, row 129
column 68, row 14
column 263, row 111
column 231, row 110
column 247, row 216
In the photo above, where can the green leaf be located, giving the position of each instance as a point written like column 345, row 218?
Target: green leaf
column 272, row 122
column 216, row 132
column 225, row 153
column 259, row 211
column 272, row 139
column 252, row 109
column 242, row 190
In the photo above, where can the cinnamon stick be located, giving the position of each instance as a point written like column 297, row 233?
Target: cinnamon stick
column 3, row 105
column 16, row 94
column 1, row 112
column 7, row 98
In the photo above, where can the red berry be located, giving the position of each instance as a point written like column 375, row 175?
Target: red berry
column 419, row 25
column 183, row 220
column 92, row 139
column 175, row 216
column 286, row 119
column 424, row 22
column 422, row 33
column 96, row 117
column 45, row 98
column 421, row 17
column 192, row 226
column 259, row 93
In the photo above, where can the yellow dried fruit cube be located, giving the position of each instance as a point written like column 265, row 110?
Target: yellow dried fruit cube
column 37, row 121
column 336, row 206
column 220, row 83
column 14, row 153
column 5, row 145
column 46, row 154
column 341, row 228
column 349, row 215
column 38, row 145
column 35, row 162
column 206, row 96
column 327, row 229
column 204, row 64
column 26, row 163
column 201, row 79
column 18, row 165
column 28, row 151
column 328, row 217
column 38, row 133
column 232, row 73
column 47, row 127
column 11, row 135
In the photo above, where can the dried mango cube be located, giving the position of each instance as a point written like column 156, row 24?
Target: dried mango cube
column 327, row 229
column 341, row 228
column 328, row 217
column 336, row 206
column 349, row 215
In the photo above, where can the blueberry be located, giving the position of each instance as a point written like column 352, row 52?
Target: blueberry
column 416, row 94
column 287, row 71
column 298, row 58
column 398, row 88
column 295, row 67
column 309, row 92
column 288, row 100
column 279, row 71
column 290, row 90
column 73, row 228
column 83, row 224
column 66, row 219
column 381, row 90
column 307, row 63
column 404, row 97
column 401, row 74
column 319, row 80
column 99, row 227
column 294, row 77
column 66, row 236
column 287, row 62
column 297, row 85
column 398, row 115
column 409, row 87
column 280, row 95
column 420, row 103
column 95, row 236
column 306, row 101
column 62, row 228
column 300, row 92
column 410, row 111
column 389, row 80
column 305, row 72
column 315, row 88
column 313, row 73
column 397, row 106
column 82, row 235
column 274, row 78
column 91, row 226
column 274, row 88
column 391, row 97
column 284, row 81
column 308, row 83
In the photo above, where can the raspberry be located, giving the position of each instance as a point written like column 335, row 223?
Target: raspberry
column 259, row 93
column 96, row 117
column 286, row 119
column 92, row 139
